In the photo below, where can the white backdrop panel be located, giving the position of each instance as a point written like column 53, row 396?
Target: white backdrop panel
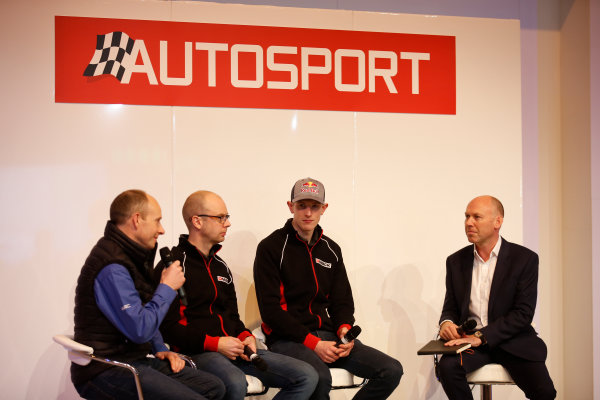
column 397, row 184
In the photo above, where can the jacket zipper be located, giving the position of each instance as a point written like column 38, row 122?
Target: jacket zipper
column 312, row 264
column 207, row 265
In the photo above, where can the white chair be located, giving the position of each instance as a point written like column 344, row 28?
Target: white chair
column 83, row 355
column 255, row 386
column 340, row 378
column 488, row 375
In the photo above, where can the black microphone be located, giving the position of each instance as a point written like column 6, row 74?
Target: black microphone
column 255, row 358
column 349, row 336
column 167, row 259
column 466, row 326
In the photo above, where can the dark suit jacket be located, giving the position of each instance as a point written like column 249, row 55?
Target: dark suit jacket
column 512, row 301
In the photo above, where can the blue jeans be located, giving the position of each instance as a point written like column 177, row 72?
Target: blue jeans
column 158, row 382
column 382, row 371
column 296, row 379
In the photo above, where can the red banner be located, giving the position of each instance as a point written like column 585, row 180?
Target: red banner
column 122, row 61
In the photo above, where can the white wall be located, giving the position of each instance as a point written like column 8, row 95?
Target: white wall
column 397, row 184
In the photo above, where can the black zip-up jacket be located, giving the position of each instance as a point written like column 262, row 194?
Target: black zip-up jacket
column 212, row 309
column 301, row 287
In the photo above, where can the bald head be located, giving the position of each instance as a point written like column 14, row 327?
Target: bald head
column 207, row 219
column 483, row 220
column 200, row 202
column 492, row 202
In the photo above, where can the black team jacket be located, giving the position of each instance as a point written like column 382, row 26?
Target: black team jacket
column 212, row 309
column 301, row 287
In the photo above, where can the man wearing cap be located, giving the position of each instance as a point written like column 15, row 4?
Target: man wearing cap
column 306, row 302
column 208, row 325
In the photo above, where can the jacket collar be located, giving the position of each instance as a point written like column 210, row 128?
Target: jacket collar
column 499, row 273
column 185, row 244
column 138, row 254
column 317, row 233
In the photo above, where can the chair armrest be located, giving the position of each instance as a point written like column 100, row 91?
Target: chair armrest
column 188, row 360
column 83, row 355
column 68, row 343
column 78, row 353
column 184, row 357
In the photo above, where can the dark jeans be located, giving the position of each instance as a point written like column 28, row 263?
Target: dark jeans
column 296, row 379
column 158, row 382
column 530, row 376
column 383, row 371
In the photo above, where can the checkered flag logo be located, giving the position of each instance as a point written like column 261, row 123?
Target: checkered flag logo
column 112, row 55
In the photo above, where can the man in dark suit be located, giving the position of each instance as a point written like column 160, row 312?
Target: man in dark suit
column 493, row 282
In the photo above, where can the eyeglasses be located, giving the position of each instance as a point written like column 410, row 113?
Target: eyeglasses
column 222, row 218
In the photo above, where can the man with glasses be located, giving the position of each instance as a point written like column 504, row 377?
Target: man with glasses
column 306, row 303
column 209, row 326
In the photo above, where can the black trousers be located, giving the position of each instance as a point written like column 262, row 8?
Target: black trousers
column 531, row 377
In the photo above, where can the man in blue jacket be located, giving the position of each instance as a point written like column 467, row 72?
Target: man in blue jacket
column 118, row 311
column 493, row 282
column 306, row 302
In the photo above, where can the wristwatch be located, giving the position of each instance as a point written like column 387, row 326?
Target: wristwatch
column 479, row 335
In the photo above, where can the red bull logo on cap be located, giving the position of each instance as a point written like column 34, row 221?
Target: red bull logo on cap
column 309, row 186
column 308, row 189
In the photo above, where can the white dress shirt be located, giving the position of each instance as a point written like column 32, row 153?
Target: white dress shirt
column 481, row 284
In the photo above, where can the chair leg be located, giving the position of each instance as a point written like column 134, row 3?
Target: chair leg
column 486, row 392
column 134, row 371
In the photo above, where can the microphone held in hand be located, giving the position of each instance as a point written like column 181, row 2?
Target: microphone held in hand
column 255, row 359
column 350, row 335
column 466, row 327
column 167, row 259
